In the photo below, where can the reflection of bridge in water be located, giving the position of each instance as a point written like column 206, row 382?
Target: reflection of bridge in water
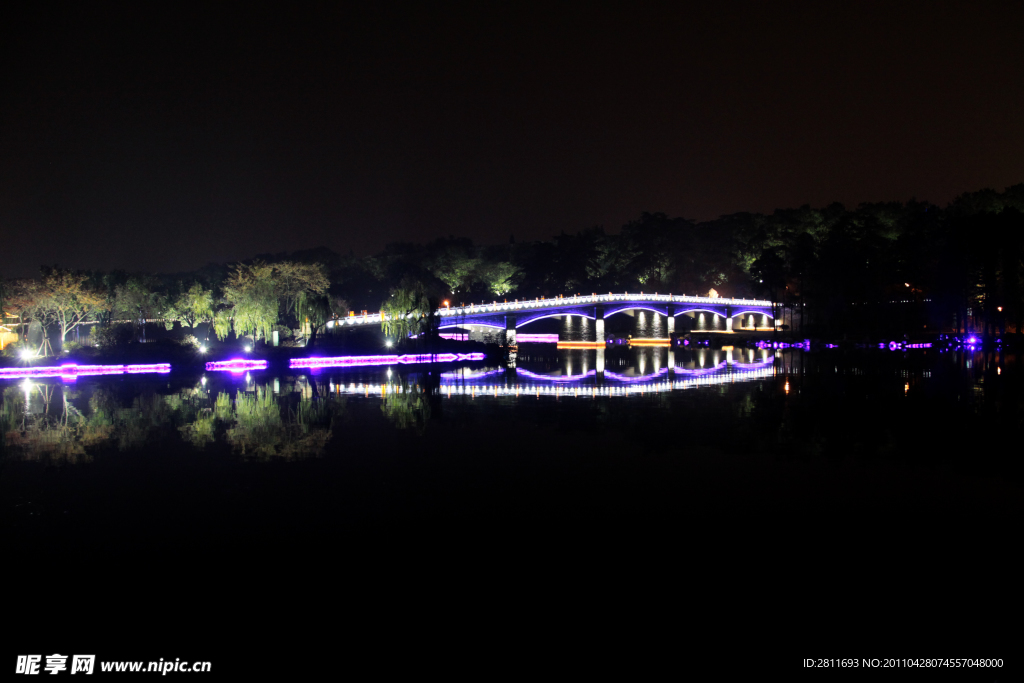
column 734, row 314
column 591, row 382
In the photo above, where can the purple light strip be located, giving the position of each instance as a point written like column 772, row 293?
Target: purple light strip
column 897, row 346
column 805, row 344
column 537, row 338
column 643, row 378
column 458, row 336
column 342, row 361
column 70, row 371
column 555, row 378
column 756, row 364
column 353, row 361
column 236, row 365
column 702, row 371
column 137, row 369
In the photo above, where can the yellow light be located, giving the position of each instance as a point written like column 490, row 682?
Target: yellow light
column 787, row 386
column 579, row 345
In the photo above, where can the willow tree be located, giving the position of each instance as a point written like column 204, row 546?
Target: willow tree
column 258, row 293
column 295, row 281
column 249, row 291
column 316, row 310
column 407, row 311
column 222, row 324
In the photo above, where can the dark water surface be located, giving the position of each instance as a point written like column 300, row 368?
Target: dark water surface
column 806, row 504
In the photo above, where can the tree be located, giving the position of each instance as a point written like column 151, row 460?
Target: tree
column 769, row 269
column 403, row 312
column 498, row 277
column 652, row 249
column 194, row 306
column 411, row 307
column 23, row 296
column 258, row 292
column 293, row 280
column 65, row 301
column 315, row 311
column 452, row 261
column 139, row 301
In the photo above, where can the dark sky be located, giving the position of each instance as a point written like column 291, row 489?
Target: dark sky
column 163, row 141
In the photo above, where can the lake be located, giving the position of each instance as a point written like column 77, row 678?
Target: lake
column 780, row 484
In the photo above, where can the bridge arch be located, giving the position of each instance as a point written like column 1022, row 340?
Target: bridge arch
column 470, row 324
column 701, row 310
column 752, row 312
column 527, row 320
column 634, row 307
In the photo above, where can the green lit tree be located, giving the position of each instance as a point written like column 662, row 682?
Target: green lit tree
column 194, row 306
column 65, row 300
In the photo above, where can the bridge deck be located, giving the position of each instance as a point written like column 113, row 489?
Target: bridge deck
column 564, row 305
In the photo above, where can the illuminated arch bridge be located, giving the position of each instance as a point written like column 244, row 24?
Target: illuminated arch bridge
column 512, row 315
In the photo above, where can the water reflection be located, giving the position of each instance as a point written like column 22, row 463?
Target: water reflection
column 405, row 405
column 261, row 420
column 262, row 415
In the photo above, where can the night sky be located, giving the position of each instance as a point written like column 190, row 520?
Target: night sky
column 163, row 141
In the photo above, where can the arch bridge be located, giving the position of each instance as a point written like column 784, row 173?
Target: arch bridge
column 512, row 315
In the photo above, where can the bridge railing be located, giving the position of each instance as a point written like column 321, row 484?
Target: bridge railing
column 539, row 303
column 533, row 304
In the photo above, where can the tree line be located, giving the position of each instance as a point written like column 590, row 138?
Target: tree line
column 877, row 268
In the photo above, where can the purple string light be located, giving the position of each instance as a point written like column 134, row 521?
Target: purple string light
column 353, row 361
column 555, row 378
column 71, row 371
column 236, row 365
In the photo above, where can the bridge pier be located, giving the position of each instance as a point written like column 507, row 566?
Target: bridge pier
column 510, row 330
column 599, row 332
column 728, row 319
column 670, row 321
column 671, row 363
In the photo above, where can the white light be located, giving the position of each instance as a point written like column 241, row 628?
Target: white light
column 202, row 349
column 248, row 348
column 26, row 354
column 203, row 380
column 388, row 344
